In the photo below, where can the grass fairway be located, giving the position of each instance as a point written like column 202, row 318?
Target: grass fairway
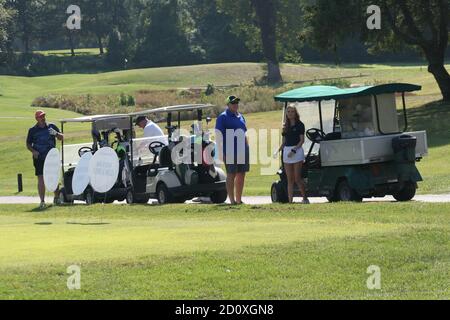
column 222, row 252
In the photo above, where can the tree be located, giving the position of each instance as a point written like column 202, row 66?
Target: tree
column 329, row 24
column 97, row 20
column 267, row 21
column 271, row 27
column 28, row 14
column 164, row 41
column 6, row 19
column 425, row 25
column 119, row 44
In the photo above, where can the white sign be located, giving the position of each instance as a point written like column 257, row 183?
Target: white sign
column 52, row 170
column 80, row 179
column 104, row 170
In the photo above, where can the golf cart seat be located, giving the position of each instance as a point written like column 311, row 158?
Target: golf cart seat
column 165, row 157
column 333, row 136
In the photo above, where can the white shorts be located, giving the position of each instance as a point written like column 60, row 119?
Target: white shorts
column 298, row 157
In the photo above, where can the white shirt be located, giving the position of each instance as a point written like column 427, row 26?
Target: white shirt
column 152, row 130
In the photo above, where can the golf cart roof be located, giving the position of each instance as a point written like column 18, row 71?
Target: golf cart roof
column 180, row 108
column 90, row 119
column 320, row 93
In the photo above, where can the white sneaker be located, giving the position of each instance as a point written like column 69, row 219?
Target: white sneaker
column 306, row 201
column 42, row 206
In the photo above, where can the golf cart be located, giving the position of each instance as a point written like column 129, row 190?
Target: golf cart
column 356, row 149
column 113, row 131
column 165, row 179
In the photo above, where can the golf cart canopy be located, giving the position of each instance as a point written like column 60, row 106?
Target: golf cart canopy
column 320, row 93
column 180, row 108
column 90, row 119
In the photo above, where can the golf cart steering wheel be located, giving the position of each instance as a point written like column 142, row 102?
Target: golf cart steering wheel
column 315, row 135
column 84, row 150
column 155, row 147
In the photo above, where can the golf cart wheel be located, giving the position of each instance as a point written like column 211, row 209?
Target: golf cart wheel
column 345, row 193
column 163, row 194
column 89, row 196
column 219, row 197
column 278, row 193
column 407, row 193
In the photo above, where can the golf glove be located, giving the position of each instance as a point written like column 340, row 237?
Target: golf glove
column 52, row 132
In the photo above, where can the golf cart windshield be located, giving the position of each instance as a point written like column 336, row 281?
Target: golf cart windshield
column 309, row 115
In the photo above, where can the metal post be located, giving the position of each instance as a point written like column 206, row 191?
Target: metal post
column 378, row 115
column 62, row 152
column 20, row 183
column 404, row 112
column 320, row 115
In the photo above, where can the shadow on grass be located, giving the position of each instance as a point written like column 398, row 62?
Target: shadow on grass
column 434, row 118
column 88, row 224
column 43, row 223
column 39, row 210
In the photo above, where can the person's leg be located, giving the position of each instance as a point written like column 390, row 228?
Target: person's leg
column 290, row 181
column 240, row 182
column 298, row 171
column 230, row 187
column 41, row 188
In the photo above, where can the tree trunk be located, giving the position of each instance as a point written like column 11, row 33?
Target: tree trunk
column 442, row 78
column 436, row 66
column 100, row 45
column 267, row 19
column 71, row 42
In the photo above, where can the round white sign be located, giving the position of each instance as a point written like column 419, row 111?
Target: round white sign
column 80, row 179
column 52, row 170
column 104, row 170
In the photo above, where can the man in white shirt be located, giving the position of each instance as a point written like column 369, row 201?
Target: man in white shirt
column 151, row 129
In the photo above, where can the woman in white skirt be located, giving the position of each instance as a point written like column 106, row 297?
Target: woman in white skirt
column 293, row 153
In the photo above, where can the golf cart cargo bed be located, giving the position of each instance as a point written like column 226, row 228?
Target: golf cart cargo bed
column 366, row 150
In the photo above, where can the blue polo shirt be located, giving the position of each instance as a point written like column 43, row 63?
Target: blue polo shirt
column 230, row 121
column 41, row 140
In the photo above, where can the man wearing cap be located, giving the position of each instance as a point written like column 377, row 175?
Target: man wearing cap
column 151, row 129
column 40, row 140
column 232, row 127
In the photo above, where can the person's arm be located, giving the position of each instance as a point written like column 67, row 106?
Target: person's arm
column 30, row 146
column 58, row 135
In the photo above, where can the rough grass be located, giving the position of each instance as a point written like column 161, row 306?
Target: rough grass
column 221, row 252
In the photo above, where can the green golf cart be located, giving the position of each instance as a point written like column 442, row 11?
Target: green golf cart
column 355, row 147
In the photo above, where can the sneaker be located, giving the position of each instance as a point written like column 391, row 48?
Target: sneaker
column 42, row 206
column 306, row 201
column 57, row 201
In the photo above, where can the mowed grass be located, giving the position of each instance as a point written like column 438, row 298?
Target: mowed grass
column 222, row 252
column 17, row 93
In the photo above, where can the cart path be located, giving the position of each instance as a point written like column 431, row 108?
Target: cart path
column 444, row 198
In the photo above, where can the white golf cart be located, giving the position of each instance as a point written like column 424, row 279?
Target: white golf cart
column 157, row 169
column 113, row 131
